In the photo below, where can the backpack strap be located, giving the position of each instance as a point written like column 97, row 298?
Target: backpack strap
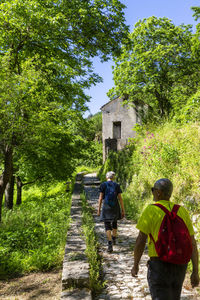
column 162, row 207
column 106, row 186
column 174, row 209
column 151, row 237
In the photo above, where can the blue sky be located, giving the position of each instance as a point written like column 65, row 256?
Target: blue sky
column 179, row 11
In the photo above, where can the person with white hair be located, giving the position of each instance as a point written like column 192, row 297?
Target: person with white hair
column 112, row 209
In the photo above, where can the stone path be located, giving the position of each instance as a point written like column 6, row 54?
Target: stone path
column 75, row 274
column 117, row 265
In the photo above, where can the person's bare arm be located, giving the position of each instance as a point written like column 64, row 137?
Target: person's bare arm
column 138, row 251
column 100, row 202
column 121, row 204
column 194, row 278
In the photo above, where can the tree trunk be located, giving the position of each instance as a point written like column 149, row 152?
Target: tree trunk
column 9, row 192
column 19, row 190
column 7, row 173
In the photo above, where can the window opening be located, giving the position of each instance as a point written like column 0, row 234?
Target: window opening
column 116, row 130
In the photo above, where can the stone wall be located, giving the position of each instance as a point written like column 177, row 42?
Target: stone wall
column 75, row 275
column 114, row 115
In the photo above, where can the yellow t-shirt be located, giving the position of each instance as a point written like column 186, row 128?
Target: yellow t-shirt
column 151, row 220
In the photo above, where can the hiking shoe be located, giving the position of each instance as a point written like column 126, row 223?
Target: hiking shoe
column 114, row 240
column 110, row 247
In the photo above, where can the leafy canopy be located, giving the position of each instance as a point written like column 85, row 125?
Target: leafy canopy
column 46, row 49
column 156, row 70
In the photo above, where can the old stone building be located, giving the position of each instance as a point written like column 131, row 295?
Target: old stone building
column 117, row 125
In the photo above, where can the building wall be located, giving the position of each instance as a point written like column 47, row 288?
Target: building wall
column 114, row 112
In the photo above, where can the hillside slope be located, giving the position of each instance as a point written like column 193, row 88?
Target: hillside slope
column 167, row 151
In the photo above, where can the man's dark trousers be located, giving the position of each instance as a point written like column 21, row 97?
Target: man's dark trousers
column 165, row 280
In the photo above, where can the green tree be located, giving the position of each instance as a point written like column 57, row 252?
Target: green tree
column 95, row 126
column 39, row 132
column 45, row 55
column 157, row 69
column 93, row 153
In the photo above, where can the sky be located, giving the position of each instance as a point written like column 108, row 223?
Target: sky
column 179, row 11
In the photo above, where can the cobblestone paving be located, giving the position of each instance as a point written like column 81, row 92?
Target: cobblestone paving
column 117, row 265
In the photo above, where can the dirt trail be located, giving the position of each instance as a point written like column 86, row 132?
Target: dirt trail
column 33, row 286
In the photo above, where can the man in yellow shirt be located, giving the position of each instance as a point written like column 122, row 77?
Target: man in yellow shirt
column 165, row 279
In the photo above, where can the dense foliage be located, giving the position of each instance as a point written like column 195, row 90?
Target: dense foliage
column 45, row 66
column 91, row 151
column 158, row 70
column 165, row 151
column 33, row 236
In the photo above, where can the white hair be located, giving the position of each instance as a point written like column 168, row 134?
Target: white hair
column 110, row 174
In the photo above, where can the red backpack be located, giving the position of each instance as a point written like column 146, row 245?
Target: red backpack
column 174, row 244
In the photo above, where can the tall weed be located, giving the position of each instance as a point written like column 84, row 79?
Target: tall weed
column 96, row 283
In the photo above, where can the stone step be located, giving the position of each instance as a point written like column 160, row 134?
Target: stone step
column 75, row 274
column 76, row 294
column 92, row 183
column 91, row 179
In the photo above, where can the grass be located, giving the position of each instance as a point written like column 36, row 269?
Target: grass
column 165, row 151
column 96, row 283
column 85, row 169
column 33, row 235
